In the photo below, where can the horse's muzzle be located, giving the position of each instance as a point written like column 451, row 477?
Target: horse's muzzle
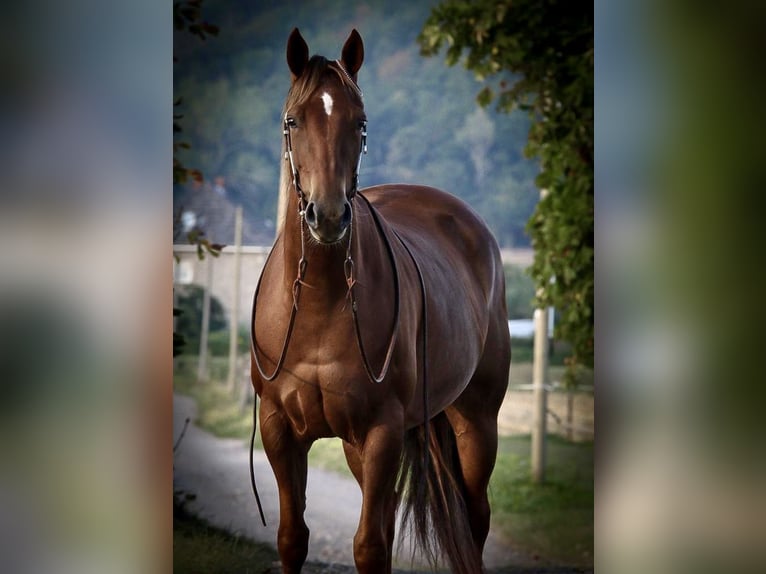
column 328, row 225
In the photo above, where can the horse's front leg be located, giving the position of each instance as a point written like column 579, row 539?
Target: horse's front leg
column 380, row 456
column 288, row 458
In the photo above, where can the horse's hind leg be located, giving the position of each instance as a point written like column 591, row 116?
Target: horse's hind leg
column 473, row 417
column 477, row 449
column 288, row 459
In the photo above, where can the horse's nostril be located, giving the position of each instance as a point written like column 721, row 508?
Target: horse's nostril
column 311, row 215
column 345, row 219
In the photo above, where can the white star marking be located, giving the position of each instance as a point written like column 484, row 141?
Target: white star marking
column 327, row 99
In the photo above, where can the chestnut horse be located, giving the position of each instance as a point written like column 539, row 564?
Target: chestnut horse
column 379, row 318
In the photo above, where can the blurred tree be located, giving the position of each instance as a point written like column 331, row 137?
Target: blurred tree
column 519, row 292
column 189, row 316
column 539, row 54
column 187, row 17
column 477, row 134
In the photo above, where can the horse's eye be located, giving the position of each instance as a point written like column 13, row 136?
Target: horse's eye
column 363, row 125
column 290, row 122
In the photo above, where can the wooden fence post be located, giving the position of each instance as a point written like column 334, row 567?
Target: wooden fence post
column 231, row 381
column 202, row 369
column 539, row 379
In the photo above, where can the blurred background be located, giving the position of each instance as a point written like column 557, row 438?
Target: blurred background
column 423, row 121
column 86, row 276
column 428, row 122
column 85, row 286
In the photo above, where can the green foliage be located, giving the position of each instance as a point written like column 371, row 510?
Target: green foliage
column 218, row 342
column 519, row 292
column 187, row 17
column 189, row 316
column 204, row 245
column 540, row 56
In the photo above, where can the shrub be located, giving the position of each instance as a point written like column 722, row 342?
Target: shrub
column 519, row 292
column 189, row 317
column 218, row 342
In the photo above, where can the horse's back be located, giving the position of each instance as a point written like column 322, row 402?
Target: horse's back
column 442, row 228
column 462, row 270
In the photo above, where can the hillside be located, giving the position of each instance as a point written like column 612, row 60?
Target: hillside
column 424, row 123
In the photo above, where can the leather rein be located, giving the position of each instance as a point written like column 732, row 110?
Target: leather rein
column 348, row 268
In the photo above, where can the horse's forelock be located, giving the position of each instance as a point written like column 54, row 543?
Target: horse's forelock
column 311, row 79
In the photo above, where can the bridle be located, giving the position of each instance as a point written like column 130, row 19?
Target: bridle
column 348, row 269
column 286, row 131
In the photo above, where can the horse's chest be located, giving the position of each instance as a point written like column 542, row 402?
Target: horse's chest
column 319, row 401
column 323, row 388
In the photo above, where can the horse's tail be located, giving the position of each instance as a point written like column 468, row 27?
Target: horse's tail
column 433, row 498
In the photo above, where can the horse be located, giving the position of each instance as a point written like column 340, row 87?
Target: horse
column 379, row 318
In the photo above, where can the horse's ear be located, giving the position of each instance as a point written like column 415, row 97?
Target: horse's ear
column 297, row 53
column 353, row 53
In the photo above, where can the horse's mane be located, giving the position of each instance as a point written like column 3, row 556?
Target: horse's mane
column 300, row 91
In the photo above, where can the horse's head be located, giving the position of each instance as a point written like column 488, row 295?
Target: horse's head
column 325, row 130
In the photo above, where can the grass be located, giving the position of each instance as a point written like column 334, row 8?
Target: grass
column 200, row 547
column 218, row 411
column 553, row 521
column 327, row 454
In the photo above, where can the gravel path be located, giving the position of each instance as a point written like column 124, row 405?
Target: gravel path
column 215, row 471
